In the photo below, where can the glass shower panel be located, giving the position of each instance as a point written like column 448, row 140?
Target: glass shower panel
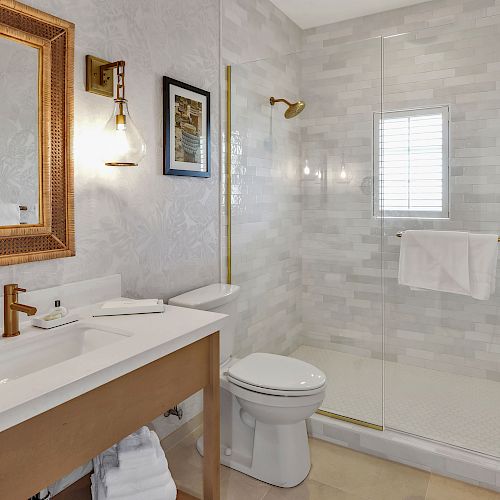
column 341, row 238
column 306, row 246
column 266, row 217
column 442, row 351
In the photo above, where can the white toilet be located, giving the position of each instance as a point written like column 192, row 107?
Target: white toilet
column 265, row 400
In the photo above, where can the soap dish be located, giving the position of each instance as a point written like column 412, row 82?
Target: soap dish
column 129, row 306
column 42, row 323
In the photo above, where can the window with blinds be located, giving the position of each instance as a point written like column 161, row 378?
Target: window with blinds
column 411, row 163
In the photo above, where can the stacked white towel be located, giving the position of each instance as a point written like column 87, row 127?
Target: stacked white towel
column 449, row 261
column 134, row 469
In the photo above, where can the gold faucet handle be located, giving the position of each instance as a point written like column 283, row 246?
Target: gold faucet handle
column 20, row 289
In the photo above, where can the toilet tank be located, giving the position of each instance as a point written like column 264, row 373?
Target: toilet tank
column 218, row 298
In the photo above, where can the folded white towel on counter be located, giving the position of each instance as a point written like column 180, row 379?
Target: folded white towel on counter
column 449, row 261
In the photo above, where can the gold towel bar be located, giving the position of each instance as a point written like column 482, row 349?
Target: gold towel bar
column 401, row 234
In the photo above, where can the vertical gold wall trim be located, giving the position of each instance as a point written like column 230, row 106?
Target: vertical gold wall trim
column 228, row 172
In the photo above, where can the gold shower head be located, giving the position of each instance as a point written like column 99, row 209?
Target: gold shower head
column 293, row 108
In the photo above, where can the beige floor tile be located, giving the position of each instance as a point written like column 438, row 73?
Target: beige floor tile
column 186, row 466
column 310, row 490
column 443, row 488
column 364, row 475
column 337, row 474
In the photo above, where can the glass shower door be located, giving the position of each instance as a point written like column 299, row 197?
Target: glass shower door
column 341, row 240
column 442, row 350
column 306, row 246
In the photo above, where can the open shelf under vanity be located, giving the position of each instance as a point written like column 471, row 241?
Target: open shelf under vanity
column 81, row 491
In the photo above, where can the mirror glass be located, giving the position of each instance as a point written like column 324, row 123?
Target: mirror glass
column 19, row 133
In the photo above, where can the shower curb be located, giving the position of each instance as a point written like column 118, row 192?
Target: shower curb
column 456, row 463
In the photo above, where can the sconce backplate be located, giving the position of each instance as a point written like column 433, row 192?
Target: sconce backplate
column 93, row 82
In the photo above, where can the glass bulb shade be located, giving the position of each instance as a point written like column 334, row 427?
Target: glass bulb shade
column 343, row 173
column 123, row 145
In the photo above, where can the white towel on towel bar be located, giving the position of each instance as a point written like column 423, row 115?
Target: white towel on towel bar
column 483, row 255
column 449, row 261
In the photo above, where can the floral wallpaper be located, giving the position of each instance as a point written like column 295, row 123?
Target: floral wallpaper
column 160, row 232
column 18, row 132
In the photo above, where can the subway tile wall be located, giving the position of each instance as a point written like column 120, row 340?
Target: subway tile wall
column 341, row 259
column 449, row 57
column 266, row 205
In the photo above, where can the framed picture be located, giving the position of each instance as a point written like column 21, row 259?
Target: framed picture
column 186, row 129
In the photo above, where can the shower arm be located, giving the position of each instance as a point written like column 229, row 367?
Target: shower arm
column 273, row 101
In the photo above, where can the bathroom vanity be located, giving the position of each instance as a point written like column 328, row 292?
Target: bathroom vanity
column 69, row 393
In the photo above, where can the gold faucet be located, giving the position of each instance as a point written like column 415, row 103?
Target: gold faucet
column 11, row 309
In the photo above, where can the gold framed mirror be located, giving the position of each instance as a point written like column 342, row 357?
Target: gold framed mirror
column 36, row 116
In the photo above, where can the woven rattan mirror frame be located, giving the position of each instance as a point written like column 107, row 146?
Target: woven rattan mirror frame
column 54, row 237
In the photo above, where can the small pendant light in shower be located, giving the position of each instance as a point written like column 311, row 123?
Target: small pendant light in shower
column 122, row 143
column 344, row 175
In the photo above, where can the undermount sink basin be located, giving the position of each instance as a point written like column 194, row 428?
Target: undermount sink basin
column 51, row 347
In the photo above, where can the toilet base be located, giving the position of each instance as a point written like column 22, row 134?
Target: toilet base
column 285, row 467
column 275, row 454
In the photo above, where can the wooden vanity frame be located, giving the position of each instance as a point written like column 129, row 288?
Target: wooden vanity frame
column 39, row 451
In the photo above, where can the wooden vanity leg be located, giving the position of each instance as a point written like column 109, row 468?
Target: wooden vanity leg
column 211, row 425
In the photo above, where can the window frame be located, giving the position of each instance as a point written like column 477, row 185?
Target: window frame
column 378, row 117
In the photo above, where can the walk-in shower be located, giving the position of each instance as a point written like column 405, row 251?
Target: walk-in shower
column 399, row 133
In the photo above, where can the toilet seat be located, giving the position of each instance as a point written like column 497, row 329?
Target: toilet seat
column 276, row 375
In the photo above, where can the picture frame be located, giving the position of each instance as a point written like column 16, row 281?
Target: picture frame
column 186, row 129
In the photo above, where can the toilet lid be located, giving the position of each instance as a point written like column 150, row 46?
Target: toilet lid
column 271, row 371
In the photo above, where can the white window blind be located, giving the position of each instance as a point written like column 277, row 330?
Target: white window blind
column 411, row 163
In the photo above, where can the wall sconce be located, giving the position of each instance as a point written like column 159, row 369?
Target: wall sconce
column 123, row 145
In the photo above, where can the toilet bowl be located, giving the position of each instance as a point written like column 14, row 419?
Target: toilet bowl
column 265, row 401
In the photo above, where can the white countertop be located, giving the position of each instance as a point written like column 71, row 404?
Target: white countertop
column 149, row 337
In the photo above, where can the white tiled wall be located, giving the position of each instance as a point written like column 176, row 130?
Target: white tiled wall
column 446, row 53
column 341, row 259
column 449, row 57
column 266, row 209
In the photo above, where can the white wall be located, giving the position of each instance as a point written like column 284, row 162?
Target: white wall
column 160, row 232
